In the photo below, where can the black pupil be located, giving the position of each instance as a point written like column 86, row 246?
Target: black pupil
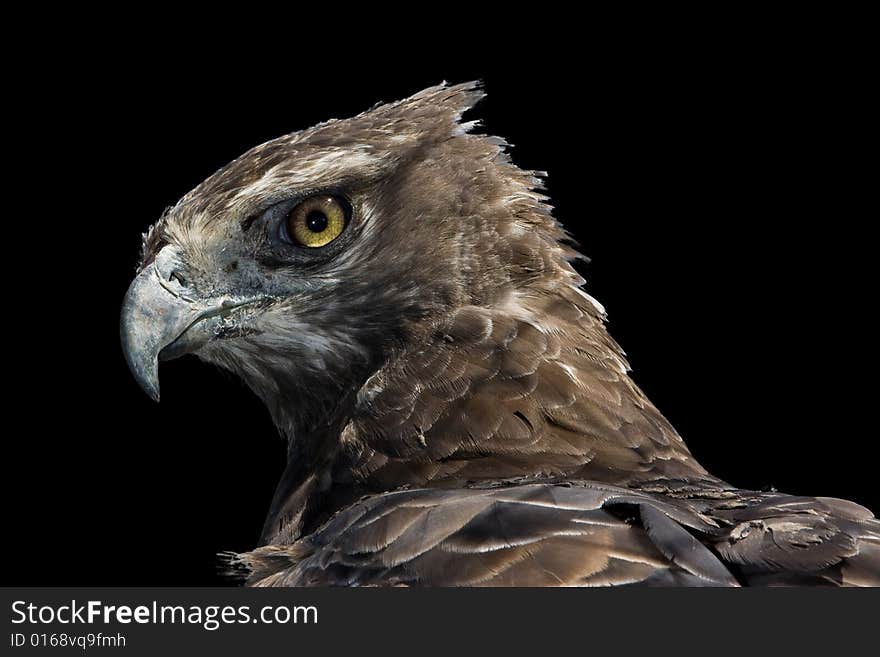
column 316, row 221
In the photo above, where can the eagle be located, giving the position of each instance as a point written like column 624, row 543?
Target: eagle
column 399, row 295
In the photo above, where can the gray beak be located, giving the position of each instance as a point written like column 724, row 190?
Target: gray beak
column 161, row 318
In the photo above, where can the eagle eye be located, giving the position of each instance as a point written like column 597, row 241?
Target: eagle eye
column 316, row 221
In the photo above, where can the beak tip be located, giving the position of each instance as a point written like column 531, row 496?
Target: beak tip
column 153, row 394
column 146, row 374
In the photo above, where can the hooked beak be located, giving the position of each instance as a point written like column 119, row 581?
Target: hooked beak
column 162, row 319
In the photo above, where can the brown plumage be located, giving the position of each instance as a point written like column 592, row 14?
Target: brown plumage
column 456, row 412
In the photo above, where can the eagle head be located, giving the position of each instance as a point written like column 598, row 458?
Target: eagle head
column 307, row 262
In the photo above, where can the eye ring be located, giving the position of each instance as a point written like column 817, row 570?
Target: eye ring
column 316, row 221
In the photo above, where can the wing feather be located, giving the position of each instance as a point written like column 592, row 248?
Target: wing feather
column 581, row 534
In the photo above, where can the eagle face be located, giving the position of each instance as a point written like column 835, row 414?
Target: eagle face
column 302, row 264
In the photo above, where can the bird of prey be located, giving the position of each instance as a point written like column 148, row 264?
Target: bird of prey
column 398, row 294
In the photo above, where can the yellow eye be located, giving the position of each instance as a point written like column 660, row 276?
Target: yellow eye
column 317, row 221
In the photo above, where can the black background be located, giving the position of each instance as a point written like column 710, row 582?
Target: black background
column 716, row 184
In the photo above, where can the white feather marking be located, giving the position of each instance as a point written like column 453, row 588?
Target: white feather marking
column 598, row 306
column 307, row 171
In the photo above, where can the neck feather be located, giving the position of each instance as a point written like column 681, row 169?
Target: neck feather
column 529, row 386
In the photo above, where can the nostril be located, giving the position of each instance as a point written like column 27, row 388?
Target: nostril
column 177, row 277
